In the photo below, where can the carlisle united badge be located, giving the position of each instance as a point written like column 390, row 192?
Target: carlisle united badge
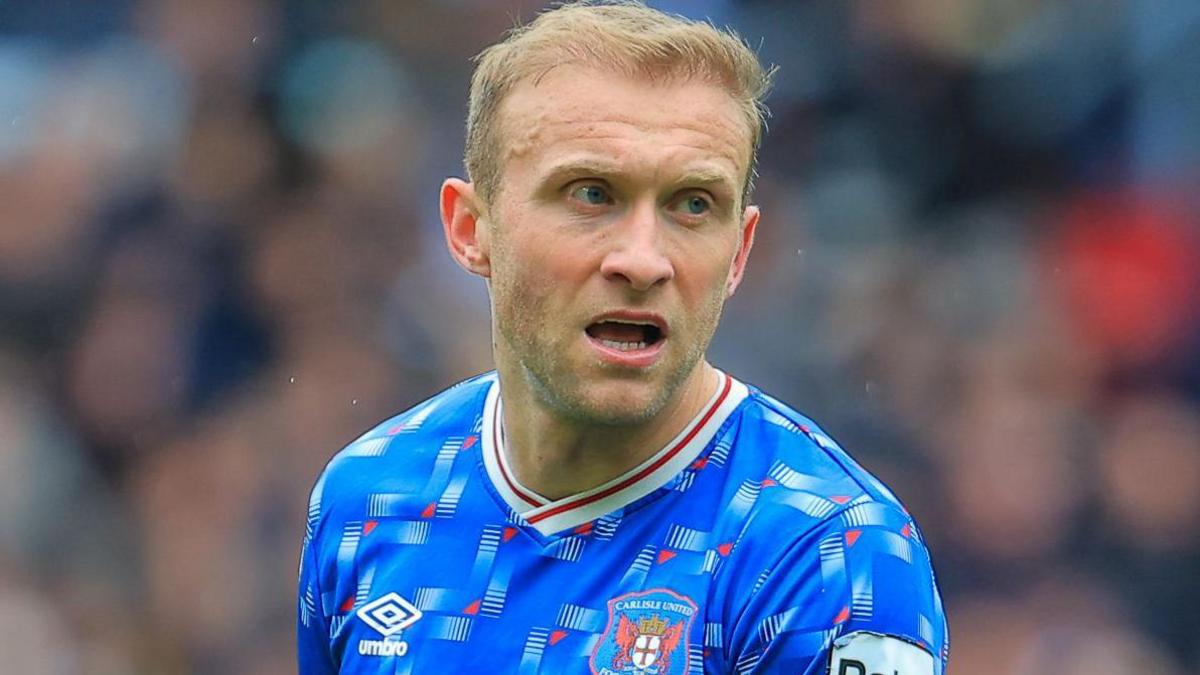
column 647, row 633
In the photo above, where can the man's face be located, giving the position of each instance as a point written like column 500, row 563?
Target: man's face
column 616, row 235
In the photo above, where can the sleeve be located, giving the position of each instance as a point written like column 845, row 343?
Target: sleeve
column 854, row 595
column 312, row 628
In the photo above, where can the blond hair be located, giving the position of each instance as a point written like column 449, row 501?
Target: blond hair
column 621, row 35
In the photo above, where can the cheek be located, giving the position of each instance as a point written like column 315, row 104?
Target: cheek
column 548, row 260
column 705, row 268
column 525, row 280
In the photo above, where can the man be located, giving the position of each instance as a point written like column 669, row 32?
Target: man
column 607, row 501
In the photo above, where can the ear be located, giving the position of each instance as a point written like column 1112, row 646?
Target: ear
column 745, row 242
column 466, row 231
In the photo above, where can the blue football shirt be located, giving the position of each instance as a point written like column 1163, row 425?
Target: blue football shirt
column 751, row 543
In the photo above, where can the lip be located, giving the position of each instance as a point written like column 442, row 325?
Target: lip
column 640, row 358
column 635, row 316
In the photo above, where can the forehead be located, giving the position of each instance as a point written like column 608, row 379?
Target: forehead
column 582, row 110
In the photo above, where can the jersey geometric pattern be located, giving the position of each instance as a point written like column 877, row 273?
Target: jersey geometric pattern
column 747, row 544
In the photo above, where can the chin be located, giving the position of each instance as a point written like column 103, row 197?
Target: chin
column 624, row 413
column 608, row 402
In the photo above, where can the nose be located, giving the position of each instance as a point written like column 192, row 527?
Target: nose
column 637, row 256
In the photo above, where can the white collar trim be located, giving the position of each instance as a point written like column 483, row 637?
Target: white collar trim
column 549, row 516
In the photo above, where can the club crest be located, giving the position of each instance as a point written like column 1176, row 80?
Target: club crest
column 647, row 632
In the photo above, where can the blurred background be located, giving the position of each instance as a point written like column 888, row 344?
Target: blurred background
column 220, row 260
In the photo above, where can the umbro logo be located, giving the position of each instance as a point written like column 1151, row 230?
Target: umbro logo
column 388, row 615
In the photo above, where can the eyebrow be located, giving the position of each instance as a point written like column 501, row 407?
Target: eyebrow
column 578, row 168
column 705, row 176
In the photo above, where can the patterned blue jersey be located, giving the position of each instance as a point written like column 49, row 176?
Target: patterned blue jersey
column 751, row 543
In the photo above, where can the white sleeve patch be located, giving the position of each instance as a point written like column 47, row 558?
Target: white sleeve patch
column 865, row 653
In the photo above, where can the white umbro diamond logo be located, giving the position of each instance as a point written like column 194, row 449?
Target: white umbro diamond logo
column 390, row 614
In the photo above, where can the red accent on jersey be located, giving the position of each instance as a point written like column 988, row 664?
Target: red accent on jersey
column 700, row 463
column 852, row 536
column 725, row 548
column 840, row 499
column 395, row 430
column 429, row 510
column 347, row 605
column 369, row 526
column 664, row 556
column 842, row 615
column 585, row 528
column 906, row 530
column 509, row 533
column 557, row 636
column 471, row 440
column 472, row 608
column 769, row 482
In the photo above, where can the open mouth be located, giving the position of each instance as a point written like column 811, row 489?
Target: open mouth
column 625, row 336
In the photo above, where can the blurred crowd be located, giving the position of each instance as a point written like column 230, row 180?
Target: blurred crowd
column 220, row 260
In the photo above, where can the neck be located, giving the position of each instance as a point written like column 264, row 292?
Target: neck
column 557, row 457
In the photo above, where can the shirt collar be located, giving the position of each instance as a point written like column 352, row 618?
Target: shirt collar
column 550, row 516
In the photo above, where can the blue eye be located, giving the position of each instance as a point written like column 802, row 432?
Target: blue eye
column 594, row 195
column 696, row 205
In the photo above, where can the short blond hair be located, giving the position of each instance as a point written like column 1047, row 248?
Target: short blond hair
column 621, row 35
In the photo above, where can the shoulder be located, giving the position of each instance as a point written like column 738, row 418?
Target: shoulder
column 805, row 484
column 824, row 547
column 789, row 450
column 398, row 453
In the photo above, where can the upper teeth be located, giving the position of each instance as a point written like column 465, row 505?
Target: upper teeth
column 623, row 346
